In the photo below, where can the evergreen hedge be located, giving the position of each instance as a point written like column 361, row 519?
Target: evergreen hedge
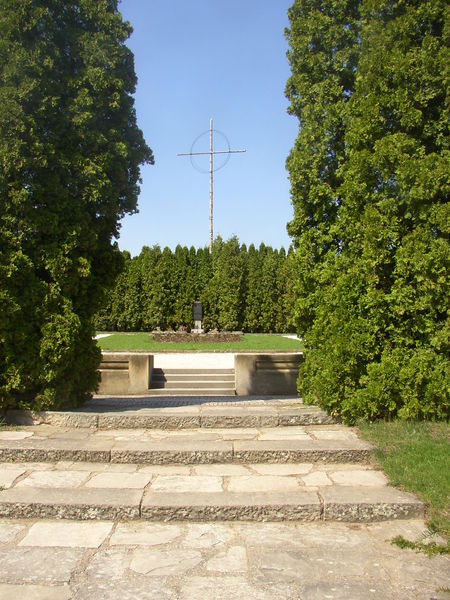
column 70, row 152
column 241, row 289
column 370, row 175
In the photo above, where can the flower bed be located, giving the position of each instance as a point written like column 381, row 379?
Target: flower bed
column 184, row 336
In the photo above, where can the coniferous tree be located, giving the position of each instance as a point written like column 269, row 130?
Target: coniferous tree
column 70, row 152
column 224, row 293
column 163, row 292
column 289, row 296
column 108, row 316
column 129, row 300
column 157, row 289
column 377, row 338
column 323, row 53
column 185, row 293
column 151, row 315
column 282, row 284
column 270, row 300
column 254, row 291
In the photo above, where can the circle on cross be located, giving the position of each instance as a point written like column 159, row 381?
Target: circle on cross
column 211, row 169
column 197, row 151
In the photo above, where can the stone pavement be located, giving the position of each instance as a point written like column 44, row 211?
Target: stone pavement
column 316, row 472
column 255, row 500
column 62, row 560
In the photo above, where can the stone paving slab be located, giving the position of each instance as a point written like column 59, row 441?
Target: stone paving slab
column 223, row 445
column 35, row 592
column 225, row 560
column 208, row 497
column 178, row 413
column 76, row 534
column 338, row 473
column 32, row 565
column 53, row 479
column 9, row 476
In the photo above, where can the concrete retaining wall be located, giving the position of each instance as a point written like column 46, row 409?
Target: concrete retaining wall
column 267, row 374
column 256, row 374
column 125, row 373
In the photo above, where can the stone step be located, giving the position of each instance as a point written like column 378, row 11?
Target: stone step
column 149, row 494
column 165, row 413
column 44, row 443
column 192, row 391
column 192, row 372
column 193, row 384
column 189, row 377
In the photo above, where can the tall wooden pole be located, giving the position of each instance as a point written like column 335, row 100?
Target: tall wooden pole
column 211, row 171
column 211, row 154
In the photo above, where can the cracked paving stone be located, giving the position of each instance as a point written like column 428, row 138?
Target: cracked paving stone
column 53, row 479
column 8, row 477
column 276, row 566
column 126, row 589
column 34, row 592
column 15, row 435
column 8, row 532
column 67, row 534
column 164, row 563
column 316, row 478
column 39, row 565
column 361, row 477
column 145, row 534
column 207, row 535
column 228, row 588
column 119, row 480
column 189, row 483
column 349, row 590
column 282, row 468
column 229, row 561
column 262, row 483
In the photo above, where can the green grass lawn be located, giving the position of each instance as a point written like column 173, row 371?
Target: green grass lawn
column 416, row 458
column 248, row 343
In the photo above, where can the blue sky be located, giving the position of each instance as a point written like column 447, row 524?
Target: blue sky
column 202, row 59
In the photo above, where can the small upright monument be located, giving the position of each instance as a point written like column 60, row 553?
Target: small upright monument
column 197, row 315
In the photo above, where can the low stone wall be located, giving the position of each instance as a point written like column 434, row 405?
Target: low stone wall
column 184, row 336
column 125, row 373
column 255, row 374
column 267, row 374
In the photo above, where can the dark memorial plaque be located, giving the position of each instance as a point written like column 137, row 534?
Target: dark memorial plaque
column 197, row 311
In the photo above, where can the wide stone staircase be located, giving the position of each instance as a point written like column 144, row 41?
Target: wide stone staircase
column 192, row 382
column 202, row 459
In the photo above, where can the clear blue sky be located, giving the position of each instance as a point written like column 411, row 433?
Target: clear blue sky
column 202, row 59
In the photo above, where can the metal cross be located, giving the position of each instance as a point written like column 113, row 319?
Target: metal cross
column 211, row 170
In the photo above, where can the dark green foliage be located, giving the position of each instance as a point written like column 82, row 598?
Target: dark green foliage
column 243, row 289
column 69, row 153
column 270, row 305
column 254, row 290
column 185, row 268
column 223, row 294
column 323, row 55
column 373, row 292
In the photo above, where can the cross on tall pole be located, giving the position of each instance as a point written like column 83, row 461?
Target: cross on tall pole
column 211, row 171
